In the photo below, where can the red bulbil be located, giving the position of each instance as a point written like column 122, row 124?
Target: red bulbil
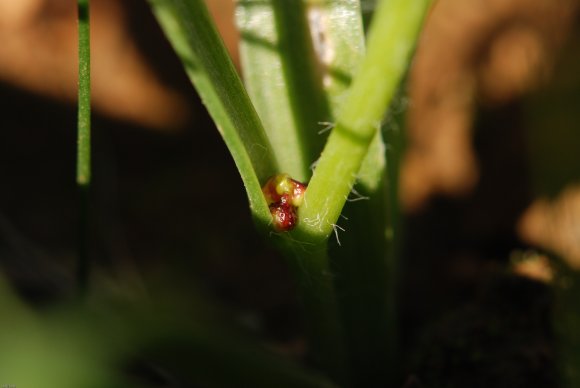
column 284, row 216
column 270, row 193
column 284, row 195
column 298, row 193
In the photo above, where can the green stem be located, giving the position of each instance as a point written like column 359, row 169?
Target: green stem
column 361, row 263
column 310, row 268
column 284, row 78
column 83, row 177
column 392, row 38
column 354, row 154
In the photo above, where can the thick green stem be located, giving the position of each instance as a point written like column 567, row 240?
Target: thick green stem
column 285, row 80
column 310, row 268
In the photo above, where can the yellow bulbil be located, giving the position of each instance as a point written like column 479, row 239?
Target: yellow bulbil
column 298, row 197
column 283, row 184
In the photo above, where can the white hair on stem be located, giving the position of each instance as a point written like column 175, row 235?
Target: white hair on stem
column 358, row 196
column 326, row 126
column 335, row 227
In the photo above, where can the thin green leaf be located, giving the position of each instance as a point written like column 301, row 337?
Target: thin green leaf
column 189, row 28
column 84, row 96
column 83, row 176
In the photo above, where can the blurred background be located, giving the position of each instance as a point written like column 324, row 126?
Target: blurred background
column 489, row 181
